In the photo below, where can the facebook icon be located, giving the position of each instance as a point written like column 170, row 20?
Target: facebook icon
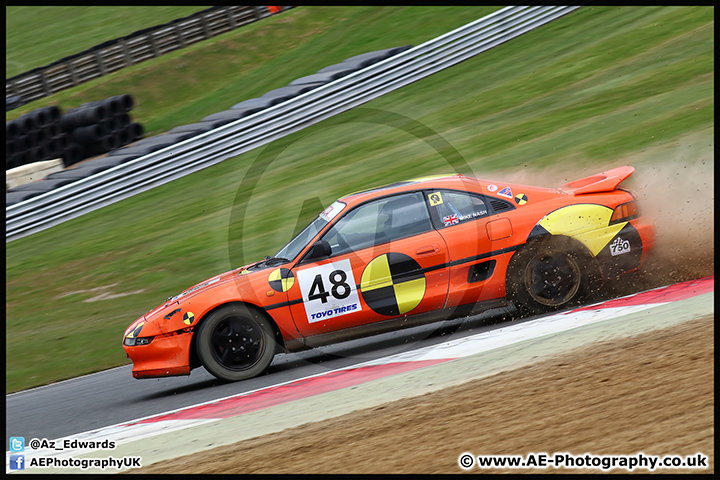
column 17, row 462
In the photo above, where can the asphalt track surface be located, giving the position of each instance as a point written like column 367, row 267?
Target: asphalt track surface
column 114, row 396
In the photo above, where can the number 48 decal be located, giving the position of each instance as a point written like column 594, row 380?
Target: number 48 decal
column 328, row 291
column 340, row 289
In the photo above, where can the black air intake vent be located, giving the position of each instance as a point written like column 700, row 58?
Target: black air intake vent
column 499, row 205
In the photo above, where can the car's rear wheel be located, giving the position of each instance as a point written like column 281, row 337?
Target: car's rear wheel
column 549, row 274
column 235, row 342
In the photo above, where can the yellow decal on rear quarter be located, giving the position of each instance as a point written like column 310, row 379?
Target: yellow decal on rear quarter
column 587, row 223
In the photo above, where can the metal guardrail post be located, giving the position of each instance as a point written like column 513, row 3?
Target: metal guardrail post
column 205, row 26
column 44, row 83
column 126, row 52
column 153, row 44
column 71, row 71
column 179, row 35
column 99, row 62
column 231, row 17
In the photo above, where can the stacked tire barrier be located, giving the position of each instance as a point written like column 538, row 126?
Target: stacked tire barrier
column 99, row 127
column 34, row 137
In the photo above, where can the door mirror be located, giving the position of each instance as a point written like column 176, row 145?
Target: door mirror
column 320, row 249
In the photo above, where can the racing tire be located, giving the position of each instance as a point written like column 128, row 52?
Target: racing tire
column 550, row 274
column 136, row 131
column 235, row 343
column 125, row 101
column 13, row 129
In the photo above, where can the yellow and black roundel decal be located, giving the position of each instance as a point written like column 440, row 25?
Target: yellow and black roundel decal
column 188, row 318
column 392, row 284
column 281, row 280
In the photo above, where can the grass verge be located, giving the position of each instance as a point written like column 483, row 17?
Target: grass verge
column 592, row 88
column 37, row 36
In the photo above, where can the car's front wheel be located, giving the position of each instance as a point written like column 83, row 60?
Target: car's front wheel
column 235, row 342
column 549, row 274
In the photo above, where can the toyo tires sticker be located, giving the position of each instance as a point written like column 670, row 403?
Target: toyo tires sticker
column 329, row 291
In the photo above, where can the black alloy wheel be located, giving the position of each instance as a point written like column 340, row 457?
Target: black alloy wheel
column 235, row 343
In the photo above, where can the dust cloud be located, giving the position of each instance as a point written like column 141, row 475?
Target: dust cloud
column 675, row 189
column 679, row 198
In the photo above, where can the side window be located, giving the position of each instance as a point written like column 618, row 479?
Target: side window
column 378, row 222
column 452, row 207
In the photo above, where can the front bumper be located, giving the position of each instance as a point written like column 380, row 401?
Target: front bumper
column 165, row 356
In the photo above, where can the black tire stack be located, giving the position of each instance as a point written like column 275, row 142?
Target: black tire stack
column 99, row 127
column 34, row 137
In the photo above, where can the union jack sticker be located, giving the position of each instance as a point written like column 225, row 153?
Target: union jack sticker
column 450, row 220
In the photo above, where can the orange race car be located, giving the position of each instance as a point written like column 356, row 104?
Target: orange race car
column 396, row 256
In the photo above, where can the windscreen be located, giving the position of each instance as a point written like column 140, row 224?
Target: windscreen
column 297, row 244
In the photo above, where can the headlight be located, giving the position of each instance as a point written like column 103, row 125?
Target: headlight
column 133, row 339
column 134, row 342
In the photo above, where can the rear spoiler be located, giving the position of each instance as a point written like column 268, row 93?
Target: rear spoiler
column 602, row 182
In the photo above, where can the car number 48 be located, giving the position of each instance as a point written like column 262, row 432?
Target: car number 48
column 340, row 289
column 327, row 291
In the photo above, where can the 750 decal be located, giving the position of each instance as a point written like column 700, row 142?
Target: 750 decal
column 619, row 246
column 329, row 291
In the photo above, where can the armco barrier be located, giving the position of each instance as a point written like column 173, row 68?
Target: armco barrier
column 122, row 52
column 162, row 166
